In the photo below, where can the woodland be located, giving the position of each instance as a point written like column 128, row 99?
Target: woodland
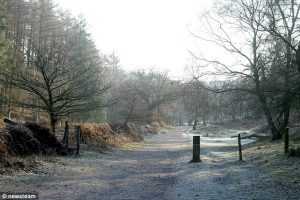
column 57, row 88
column 51, row 69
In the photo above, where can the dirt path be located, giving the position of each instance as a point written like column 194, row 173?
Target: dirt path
column 143, row 172
column 221, row 176
column 156, row 169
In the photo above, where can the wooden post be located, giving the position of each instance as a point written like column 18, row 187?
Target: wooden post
column 66, row 136
column 66, row 132
column 286, row 140
column 78, row 139
column 240, row 147
column 196, row 149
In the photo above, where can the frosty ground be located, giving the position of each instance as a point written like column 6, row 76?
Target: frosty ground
column 159, row 168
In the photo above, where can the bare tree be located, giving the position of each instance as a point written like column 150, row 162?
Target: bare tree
column 254, row 65
column 196, row 101
column 283, row 23
column 142, row 96
column 155, row 89
column 63, row 70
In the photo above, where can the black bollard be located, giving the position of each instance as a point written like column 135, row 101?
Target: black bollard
column 196, row 149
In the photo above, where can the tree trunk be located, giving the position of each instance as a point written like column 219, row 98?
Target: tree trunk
column 53, row 121
column 298, row 59
column 276, row 135
column 130, row 111
column 286, row 115
column 287, row 97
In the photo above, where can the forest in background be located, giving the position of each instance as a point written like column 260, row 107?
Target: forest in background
column 51, row 70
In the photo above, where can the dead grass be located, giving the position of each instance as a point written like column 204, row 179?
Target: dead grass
column 264, row 151
column 95, row 134
column 125, row 134
column 269, row 157
column 91, row 132
column 164, row 125
column 2, row 124
column 22, row 140
column 104, row 135
column 3, row 147
column 149, row 129
column 155, row 127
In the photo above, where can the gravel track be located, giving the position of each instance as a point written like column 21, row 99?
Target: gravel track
column 159, row 168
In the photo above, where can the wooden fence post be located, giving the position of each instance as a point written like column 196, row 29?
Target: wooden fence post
column 240, row 147
column 286, row 140
column 196, row 149
column 66, row 136
column 78, row 139
column 66, row 131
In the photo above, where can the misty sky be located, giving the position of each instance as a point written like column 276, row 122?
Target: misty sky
column 143, row 33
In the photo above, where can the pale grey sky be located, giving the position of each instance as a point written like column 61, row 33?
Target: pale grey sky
column 143, row 33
